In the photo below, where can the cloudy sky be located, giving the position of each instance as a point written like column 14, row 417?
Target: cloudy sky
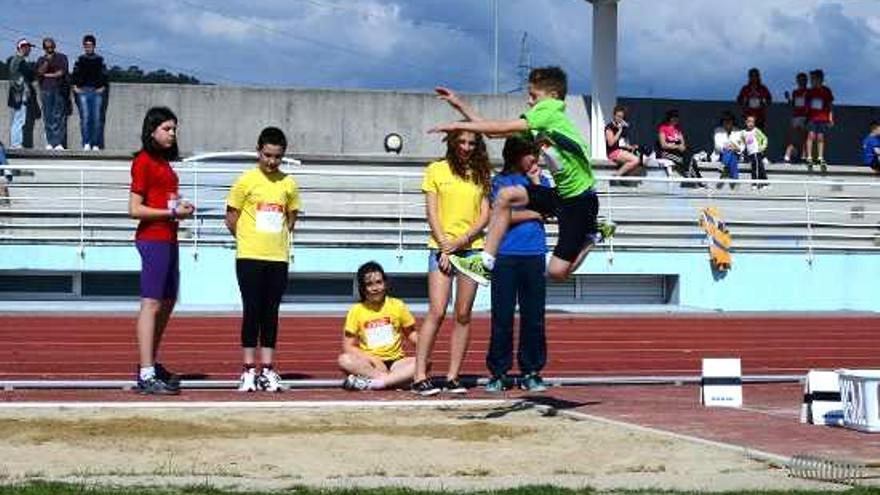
column 694, row 49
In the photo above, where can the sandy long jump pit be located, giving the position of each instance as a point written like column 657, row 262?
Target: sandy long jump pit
column 508, row 444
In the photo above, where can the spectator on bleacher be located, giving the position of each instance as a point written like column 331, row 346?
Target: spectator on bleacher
column 618, row 146
column 871, row 147
column 374, row 333
column 754, row 98
column 89, row 81
column 457, row 206
column 52, row 71
column 519, row 276
column 820, row 119
column 753, row 142
column 155, row 201
column 797, row 132
column 727, row 148
column 672, row 146
column 5, row 177
column 22, row 98
column 261, row 212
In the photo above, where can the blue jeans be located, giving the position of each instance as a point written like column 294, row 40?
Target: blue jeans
column 730, row 159
column 518, row 279
column 91, row 127
column 54, row 116
column 16, row 126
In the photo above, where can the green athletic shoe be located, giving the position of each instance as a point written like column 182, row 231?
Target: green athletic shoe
column 606, row 230
column 496, row 384
column 533, row 382
column 472, row 268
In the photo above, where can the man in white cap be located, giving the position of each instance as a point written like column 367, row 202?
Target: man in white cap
column 22, row 98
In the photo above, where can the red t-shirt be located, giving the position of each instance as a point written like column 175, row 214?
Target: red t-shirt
column 672, row 133
column 754, row 100
column 799, row 102
column 154, row 179
column 819, row 102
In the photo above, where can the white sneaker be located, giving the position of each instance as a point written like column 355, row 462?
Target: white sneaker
column 49, row 147
column 248, row 381
column 270, row 381
column 96, row 148
column 356, row 382
column 86, row 147
column 59, row 148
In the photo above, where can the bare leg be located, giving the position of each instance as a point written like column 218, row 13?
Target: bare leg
column 820, row 145
column 402, row 372
column 559, row 269
column 439, row 289
column 629, row 163
column 146, row 329
column 466, row 291
column 358, row 365
column 266, row 355
column 161, row 322
column 249, row 355
column 808, row 152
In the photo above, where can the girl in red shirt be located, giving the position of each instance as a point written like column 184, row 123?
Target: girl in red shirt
column 155, row 202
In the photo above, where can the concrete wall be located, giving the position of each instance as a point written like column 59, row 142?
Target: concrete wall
column 216, row 118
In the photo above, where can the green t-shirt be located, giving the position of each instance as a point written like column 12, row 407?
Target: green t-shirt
column 567, row 155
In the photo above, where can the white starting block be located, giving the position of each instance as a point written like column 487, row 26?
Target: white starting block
column 860, row 393
column 822, row 404
column 721, row 385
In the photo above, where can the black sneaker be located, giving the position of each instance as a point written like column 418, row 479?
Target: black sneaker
column 454, row 386
column 154, row 386
column 425, row 388
column 170, row 379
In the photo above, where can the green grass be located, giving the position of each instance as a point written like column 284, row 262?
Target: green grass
column 42, row 488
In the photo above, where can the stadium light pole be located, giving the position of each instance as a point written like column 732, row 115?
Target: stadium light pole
column 603, row 72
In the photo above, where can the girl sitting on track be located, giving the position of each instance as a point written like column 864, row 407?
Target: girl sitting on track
column 457, row 205
column 372, row 344
column 155, row 202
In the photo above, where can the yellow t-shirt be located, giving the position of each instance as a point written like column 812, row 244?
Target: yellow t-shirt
column 380, row 332
column 458, row 202
column 262, row 231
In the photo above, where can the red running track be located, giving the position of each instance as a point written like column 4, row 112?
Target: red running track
column 103, row 347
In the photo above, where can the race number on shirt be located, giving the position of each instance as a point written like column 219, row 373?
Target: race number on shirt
column 817, row 103
column 270, row 218
column 800, row 102
column 379, row 333
column 754, row 102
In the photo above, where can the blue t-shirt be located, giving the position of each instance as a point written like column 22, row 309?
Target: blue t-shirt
column 870, row 147
column 524, row 238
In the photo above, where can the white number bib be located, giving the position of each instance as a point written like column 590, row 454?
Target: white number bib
column 270, row 218
column 817, row 104
column 754, row 102
column 381, row 335
column 800, row 102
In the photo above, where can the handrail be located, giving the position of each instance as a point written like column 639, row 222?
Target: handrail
column 816, row 219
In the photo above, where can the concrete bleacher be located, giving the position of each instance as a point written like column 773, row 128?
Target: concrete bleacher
column 376, row 201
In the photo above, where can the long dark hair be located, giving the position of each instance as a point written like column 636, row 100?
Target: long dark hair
column 361, row 277
column 152, row 120
column 477, row 169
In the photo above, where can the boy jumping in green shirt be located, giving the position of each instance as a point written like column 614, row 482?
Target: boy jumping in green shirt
column 573, row 201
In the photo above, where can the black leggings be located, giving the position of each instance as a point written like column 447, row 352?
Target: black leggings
column 262, row 283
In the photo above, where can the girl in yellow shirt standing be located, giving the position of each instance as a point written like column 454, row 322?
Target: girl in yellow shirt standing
column 457, row 207
column 261, row 211
column 374, row 333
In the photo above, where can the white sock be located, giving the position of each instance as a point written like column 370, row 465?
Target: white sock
column 147, row 372
column 488, row 260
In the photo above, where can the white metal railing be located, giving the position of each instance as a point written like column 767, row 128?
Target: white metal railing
column 70, row 203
